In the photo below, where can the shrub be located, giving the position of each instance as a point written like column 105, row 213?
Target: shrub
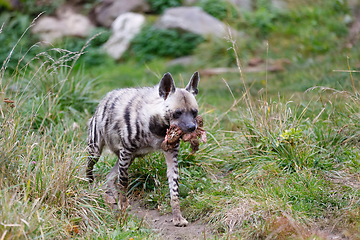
column 153, row 42
column 214, row 7
column 263, row 20
column 218, row 8
column 158, row 6
column 34, row 7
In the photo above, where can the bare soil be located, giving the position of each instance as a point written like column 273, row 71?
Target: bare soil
column 163, row 225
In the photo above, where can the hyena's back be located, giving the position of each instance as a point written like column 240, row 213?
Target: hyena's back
column 129, row 118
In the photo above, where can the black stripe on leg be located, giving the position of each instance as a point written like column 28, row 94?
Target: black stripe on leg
column 95, row 131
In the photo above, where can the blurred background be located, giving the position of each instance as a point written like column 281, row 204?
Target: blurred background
column 290, row 45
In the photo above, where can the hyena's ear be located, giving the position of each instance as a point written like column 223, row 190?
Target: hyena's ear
column 193, row 84
column 166, row 86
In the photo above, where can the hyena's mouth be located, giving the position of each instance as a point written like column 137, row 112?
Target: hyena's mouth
column 174, row 134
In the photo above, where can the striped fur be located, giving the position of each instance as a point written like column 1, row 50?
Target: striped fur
column 132, row 122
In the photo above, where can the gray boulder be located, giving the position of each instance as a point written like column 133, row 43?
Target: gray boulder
column 195, row 20
column 66, row 23
column 108, row 10
column 124, row 29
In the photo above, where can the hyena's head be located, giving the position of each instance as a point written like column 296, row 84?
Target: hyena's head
column 181, row 105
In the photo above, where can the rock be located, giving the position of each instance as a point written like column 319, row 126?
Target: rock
column 108, row 10
column 195, row 20
column 49, row 28
column 66, row 23
column 124, row 28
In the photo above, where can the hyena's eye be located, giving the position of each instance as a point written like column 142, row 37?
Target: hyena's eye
column 194, row 112
column 177, row 114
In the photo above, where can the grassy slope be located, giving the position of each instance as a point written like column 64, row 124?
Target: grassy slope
column 281, row 167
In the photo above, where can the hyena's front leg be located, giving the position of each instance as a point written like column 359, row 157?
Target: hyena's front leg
column 120, row 172
column 173, row 179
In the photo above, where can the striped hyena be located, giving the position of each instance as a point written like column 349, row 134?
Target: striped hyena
column 132, row 122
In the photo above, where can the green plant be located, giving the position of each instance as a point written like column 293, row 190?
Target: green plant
column 158, row 6
column 95, row 54
column 292, row 137
column 216, row 48
column 263, row 20
column 215, row 8
column 153, row 42
column 16, row 47
column 219, row 8
column 56, row 93
column 35, row 7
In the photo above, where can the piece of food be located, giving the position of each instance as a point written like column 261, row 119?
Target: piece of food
column 174, row 134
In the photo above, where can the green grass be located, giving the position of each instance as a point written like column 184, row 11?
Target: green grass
column 282, row 158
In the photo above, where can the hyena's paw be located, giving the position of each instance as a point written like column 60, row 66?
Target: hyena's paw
column 180, row 221
column 109, row 198
column 123, row 204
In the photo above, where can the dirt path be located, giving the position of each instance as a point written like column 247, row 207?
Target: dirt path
column 163, row 224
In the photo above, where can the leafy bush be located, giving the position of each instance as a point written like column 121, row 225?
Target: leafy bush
column 262, row 19
column 153, row 42
column 218, row 8
column 158, row 6
column 34, row 7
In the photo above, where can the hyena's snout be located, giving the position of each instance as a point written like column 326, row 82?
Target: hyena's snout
column 187, row 126
column 190, row 127
column 186, row 122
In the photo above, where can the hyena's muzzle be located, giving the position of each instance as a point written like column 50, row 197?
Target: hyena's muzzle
column 185, row 120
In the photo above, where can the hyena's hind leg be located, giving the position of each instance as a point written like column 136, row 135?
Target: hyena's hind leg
column 95, row 146
column 120, row 172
